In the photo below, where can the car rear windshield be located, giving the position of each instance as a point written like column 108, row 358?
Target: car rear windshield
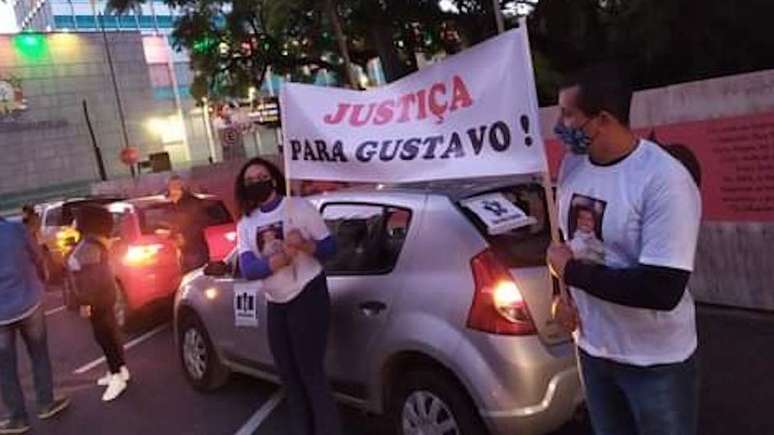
column 216, row 213
column 524, row 246
column 159, row 216
column 162, row 216
column 69, row 211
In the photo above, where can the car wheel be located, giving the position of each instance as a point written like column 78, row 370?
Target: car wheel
column 201, row 364
column 426, row 402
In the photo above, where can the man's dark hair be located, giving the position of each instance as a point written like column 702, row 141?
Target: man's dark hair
column 247, row 204
column 602, row 87
column 95, row 220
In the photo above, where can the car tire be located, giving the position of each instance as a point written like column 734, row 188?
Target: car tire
column 199, row 359
column 418, row 392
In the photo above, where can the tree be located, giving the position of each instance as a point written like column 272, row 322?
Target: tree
column 661, row 41
column 233, row 43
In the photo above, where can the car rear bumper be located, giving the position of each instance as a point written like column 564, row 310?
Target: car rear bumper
column 563, row 395
column 142, row 287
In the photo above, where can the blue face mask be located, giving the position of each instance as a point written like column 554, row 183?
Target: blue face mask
column 576, row 139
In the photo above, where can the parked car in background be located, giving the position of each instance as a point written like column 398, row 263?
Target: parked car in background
column 146, row 258
column 440, row 314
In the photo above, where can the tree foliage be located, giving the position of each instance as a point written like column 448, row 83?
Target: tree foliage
column 233, row 42
column 661, row 42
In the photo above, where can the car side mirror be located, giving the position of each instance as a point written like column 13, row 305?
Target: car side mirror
column 217, row 268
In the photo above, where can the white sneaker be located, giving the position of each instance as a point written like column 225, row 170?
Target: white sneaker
column 105, row 380
column 115, row 387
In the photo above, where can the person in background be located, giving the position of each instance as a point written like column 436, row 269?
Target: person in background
column 296, row 289
column 190, row 219
column 21, row 312
column 96, row 289
column 31, row 219
column 230, row 126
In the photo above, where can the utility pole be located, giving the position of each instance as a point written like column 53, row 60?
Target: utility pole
column 121, row 116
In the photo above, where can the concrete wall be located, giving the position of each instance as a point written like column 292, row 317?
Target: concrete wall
column 724, row 97
column 48, row 143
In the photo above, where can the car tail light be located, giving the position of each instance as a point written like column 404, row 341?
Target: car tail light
column 231, row 236
column 498, row 304
column 142, row 255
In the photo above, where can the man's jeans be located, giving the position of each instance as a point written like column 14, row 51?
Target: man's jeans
column 624, row 399
column 33, row 332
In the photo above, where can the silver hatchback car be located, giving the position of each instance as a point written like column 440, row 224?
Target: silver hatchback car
column 439, row 320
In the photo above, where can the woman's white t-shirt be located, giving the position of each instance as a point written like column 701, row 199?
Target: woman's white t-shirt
column 263, row 234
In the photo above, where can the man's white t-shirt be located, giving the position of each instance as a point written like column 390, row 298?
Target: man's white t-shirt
column 646, row 209
column 263, row 234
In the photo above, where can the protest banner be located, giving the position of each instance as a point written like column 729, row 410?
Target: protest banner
column 471, row 115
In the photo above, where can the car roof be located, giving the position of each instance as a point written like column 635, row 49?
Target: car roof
column 152, row 200
column 453, row 189
column 78, row 200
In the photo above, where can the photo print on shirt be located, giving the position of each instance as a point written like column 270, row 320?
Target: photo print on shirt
column 269, row 239
column 585, row 228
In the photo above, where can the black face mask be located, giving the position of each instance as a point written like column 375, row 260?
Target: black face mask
column 260, row 190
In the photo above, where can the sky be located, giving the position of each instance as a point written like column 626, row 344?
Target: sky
column 7, row 20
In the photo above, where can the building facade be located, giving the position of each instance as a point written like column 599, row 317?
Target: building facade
column 47, row 82
column 153, row 17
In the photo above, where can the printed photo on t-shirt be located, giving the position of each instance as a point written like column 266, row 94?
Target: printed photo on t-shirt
column 585, row 228
column 269, row 239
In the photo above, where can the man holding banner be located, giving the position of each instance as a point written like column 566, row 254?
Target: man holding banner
column 637, row 334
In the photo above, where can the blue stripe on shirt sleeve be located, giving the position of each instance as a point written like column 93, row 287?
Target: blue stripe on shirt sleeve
column 253, row 267
column 325, row 249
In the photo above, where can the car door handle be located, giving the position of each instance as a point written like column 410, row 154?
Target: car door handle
column 372, row 308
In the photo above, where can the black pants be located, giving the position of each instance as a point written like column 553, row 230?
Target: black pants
column 103, row 322
column 298, row 337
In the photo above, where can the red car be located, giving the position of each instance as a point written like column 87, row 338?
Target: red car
column 146, row 258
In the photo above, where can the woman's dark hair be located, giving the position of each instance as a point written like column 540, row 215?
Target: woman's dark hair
column 247, row 204
column 92, row 219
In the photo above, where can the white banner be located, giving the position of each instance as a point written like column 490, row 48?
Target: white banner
column 473, row 114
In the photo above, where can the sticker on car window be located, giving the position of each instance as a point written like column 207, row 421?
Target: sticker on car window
column 245, row 306
column 498, row 213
